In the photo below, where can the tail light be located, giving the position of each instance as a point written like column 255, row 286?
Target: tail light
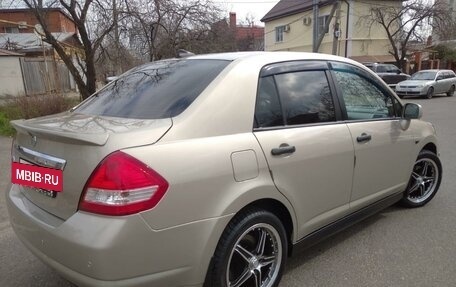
column 122, row 185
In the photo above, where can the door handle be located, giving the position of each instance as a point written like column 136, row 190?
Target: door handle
column 283, row 149
column 363, row 138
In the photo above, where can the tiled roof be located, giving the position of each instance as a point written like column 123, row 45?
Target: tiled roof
column 290, row 7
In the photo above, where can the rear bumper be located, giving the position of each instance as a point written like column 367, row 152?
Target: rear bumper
column 93, row 250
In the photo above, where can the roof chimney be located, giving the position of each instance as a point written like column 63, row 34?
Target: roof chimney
column 232, row 20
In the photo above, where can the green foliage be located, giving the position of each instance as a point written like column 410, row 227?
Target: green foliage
column 5, row 128
column 31, row 107
column 445, row 53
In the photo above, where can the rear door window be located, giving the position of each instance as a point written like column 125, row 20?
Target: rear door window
column 154, row 91
column 268, row 111
column 306, row 97
column 294, row 98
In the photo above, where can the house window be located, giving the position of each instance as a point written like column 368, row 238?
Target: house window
column 11, row 30
column 322, row 20
column 279, row 33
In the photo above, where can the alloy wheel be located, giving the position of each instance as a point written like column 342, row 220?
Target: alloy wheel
column 256, row 258
column 424, row 180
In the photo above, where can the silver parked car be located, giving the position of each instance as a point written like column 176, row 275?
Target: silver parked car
column 213, row 169
column 427, row 83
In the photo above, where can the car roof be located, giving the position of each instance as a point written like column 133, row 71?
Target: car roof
column 435, row 70
column 226, row 56
column 378, row 64
column 273, row 57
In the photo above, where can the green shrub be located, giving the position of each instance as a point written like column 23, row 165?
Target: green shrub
column 5, row 128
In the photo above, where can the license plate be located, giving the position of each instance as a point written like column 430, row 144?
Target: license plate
column 44, row 180
column 48, row 193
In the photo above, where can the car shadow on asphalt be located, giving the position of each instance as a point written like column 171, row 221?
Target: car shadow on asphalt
column 435, row 97
column 331, row 243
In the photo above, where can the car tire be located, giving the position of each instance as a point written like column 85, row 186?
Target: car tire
column 450, row 93
column 253, row 247
column 424, row 181
column 430, row 93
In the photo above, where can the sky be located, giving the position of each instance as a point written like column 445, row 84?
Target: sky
column 247, row 8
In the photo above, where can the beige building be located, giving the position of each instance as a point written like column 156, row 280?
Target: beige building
column 289, row 27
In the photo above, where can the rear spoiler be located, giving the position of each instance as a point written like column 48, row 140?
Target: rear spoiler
column 98, row 139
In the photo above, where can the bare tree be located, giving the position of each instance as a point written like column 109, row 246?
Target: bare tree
column 114, row 58
column 159, row 28
column 83, row 14
column 403, row 23
column 116, row 34
column 444, row 24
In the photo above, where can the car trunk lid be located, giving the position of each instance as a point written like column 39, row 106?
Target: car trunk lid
column 76, row 143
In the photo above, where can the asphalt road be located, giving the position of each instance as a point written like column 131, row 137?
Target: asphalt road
column 397, row 247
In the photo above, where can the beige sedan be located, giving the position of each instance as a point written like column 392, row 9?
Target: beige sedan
column 213, row 169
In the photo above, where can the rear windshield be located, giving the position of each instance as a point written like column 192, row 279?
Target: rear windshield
column 369, row 66
column 387, row 69
column 154, row 91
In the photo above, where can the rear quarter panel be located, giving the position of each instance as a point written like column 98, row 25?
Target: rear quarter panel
column 201, row 179
column 202, row 185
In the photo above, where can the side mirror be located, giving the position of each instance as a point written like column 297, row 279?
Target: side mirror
column 439, row 78
column 412, row 111
column 398, row 72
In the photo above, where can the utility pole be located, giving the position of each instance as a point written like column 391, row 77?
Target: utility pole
column 336, row 30
column 115, row 17
column 326, row 27
column 315, row 26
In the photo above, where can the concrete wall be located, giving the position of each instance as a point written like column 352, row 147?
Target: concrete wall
column 299, row 38
column 11, row 82
column 363, row 38
column 369, row 38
